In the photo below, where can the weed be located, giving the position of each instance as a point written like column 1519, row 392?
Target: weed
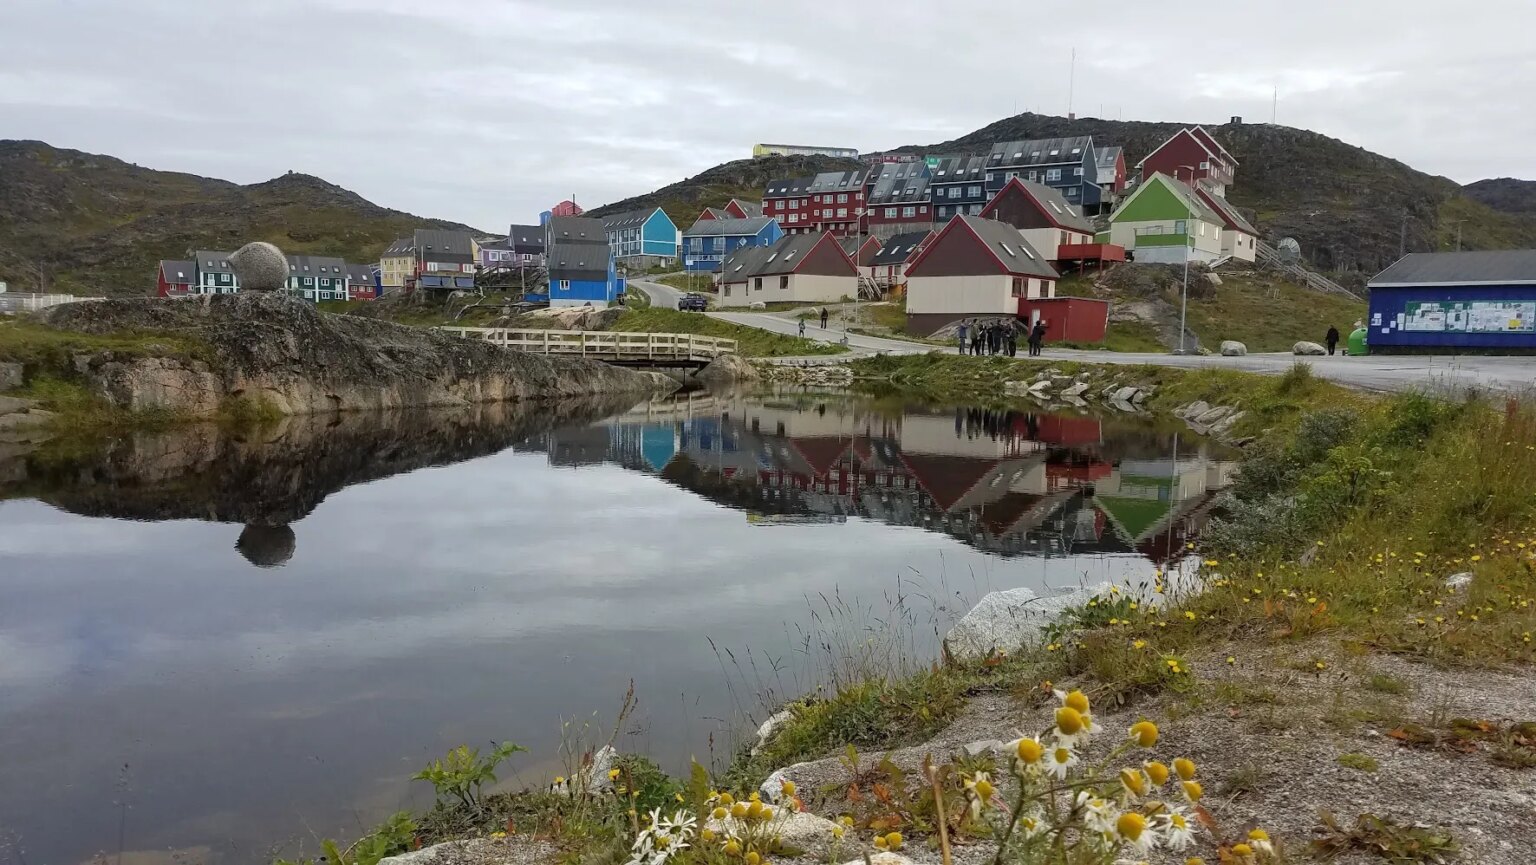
column 1247, row 778
column 751, row 342
column 1383, row 683
column 463, row 772
column 1385, row 838
column 1362, row 762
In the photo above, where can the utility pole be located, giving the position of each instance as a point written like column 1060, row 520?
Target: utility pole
column 1071, row 84
column 1274, row 109
column 1402, row 242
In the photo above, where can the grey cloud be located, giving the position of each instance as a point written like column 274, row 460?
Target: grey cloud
column 487, row 111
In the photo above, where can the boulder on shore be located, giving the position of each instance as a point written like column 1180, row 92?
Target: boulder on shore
column 1233, row 348
column 1009, row 619
column 282, row 352
column 1308, row 348
column 728, row 368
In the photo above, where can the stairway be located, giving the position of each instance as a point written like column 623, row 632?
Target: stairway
column 1269, row 256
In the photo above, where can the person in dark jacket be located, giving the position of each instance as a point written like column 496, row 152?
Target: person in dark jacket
column 1037, row 338
column 1011, row 336
column 823, row 318
column 962, row 335
column 1332, row 338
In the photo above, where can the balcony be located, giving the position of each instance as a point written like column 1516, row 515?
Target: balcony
column 1093, row 251
column 1162, row 240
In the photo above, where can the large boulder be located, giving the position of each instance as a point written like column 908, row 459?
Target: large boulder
column 1233, row 348
column 1010, row 619
column 729, row 368
column 11, row 376
column 1308, row 348
column 260, row 267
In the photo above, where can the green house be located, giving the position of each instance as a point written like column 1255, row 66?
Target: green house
column 317, row 277
column 1166, row 221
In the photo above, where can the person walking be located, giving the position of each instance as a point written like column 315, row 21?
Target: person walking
column 1037, row 337
column 960, row 334
column 1332, row 338
column 823, row 318
column 1012, row 337
column 802, row 328
column 975, row 339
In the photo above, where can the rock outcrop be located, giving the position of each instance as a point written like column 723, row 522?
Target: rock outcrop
column 1308, row 348
column 1005, row 621
column 729, row 368
column 282, row 352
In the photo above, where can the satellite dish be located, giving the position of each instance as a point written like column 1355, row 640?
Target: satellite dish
column 1289, row 249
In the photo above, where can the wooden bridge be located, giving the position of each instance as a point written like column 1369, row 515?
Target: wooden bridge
column 616, row 347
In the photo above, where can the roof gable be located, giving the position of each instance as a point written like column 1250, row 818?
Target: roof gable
column 1182, row 133
column 1229, row 215
column 793, row 251
column 732, row 227
column 1009, row 252
column 1041, row 151
column 901, row 248
column 1158, row 191
column 1210, row 141
column 1049, row 202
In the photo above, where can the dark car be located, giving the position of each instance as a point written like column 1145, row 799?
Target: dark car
column 692, row 301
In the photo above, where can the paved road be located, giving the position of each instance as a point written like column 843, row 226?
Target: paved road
column 1374, row 373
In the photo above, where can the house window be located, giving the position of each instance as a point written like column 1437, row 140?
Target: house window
column 991, row 176
column 890, row 213
column 1018, row 286
column 757, row 283
column 1078, row 171
column 1205, row 166
column 565, row 285
column 794, row 205
column 783, row 283
column 909, row 212
column 794, row 217
column 1180, row 226
column 923, row 209
column 1066, row 238
column 973, row 191
column 842, row 211
column 842, row 199
column 1052, row 174
column 943, row 211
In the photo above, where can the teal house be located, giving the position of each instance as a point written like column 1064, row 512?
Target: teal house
column 641, row 238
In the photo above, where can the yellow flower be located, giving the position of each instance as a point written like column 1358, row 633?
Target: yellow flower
column 893, row 840
column 1194, row 860
column 1133, row 781
column 880, row 842
column 1144, row 733
column 1130, row 825
column 1321, row 665
column 788, row 788
column 1077, row 700
column 1193, row 791
column 1241, row 850
column 733, row 847
column 1030, row 750
column 837, row 831
column 559, row 779
column 1185, row 768
column 846, row 820
column 1139, row 644
column 984, row 790
column 1157, row 772
column 719, row 813
column 1231, row 660
column 1069, row 721
column 755, row 811
column 739, row 810
column 613, row 774
column 678, row 796
column 726, row 799
column 498, row 834
column 1258, row 835
column 707, row 835
column 753, row 858
column 1190, row 615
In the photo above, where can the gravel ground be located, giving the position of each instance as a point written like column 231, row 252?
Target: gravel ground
column 1267, row 732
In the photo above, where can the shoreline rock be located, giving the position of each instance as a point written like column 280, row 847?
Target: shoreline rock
column 282, row 352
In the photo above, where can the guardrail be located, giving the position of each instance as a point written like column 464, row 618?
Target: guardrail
column 13, row 301
column 615, row 346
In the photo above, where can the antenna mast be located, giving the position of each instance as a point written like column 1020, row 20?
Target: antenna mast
column 1071, row 84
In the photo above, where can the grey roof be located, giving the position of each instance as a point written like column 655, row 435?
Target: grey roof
column 436, row 244
column 788, row 186
column 1107, row 157
column 628, row 219
column 360, row 273
column 839, row 181
column 1039, row 151
column 750, row 208
column 578, row 248
column 315, row 265
column 214, row 261
column 499, row 243
column 901, row 187
column 401, row 248
column 783, row 257
column 1067, row 214
column 1010, row 247
column 742, row 262
column 526, row 238
column 899, row 248
column 718, row 213
column 1497, row 267
column 717, row 227
column 178, row 271
column 959, row 169
column 1229, row 214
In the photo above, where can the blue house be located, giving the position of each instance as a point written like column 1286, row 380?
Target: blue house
column 641, row 238
column 581, row 265
column 1455, row 302
column 709, row 241
column 957, row 185
column 1069, row 165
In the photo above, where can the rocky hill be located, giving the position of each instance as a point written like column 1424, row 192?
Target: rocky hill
column 1506, row 194
column 96, row 225
column 744, row 179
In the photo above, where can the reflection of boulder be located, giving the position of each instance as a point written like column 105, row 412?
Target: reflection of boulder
column 267, row 546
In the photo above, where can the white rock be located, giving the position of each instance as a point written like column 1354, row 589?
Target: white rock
column 1076, row 390
column 885, row 858
column 985, row 746
column 757, row 304
column 516, row 850
column 1309, row 348
column 1194, row 409
column 771, row 726
column 602, row 762
column 1227, row 422
column 260, row 266
column 1459, row 582
column 1233, row 348
column 801, row 829
column 1210, row 416
column 1126, row 395
column 1009, row 619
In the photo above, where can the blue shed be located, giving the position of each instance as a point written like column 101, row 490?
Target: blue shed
column 711, row 241
column 581, row 266
column 1482, row 302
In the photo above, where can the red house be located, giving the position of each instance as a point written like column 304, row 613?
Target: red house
column 566, row 208
column 175, row 279
column 789, row 202
column 1046, row 219
column 861, row 249
column 831, row 202
column 1191, row 155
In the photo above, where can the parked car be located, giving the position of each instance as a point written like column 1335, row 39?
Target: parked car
column 692, row 302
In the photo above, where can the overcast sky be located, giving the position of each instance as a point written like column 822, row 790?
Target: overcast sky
column 488, row 111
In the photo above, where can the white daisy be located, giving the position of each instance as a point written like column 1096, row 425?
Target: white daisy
column 1059, row 761
column 1098, row 814
column 1177, row 831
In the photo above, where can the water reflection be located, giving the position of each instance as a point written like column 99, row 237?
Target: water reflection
column 463, row 576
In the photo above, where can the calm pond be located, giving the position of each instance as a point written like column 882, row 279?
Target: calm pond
column 211, row 645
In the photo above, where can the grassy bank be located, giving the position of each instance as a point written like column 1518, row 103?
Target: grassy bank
column 751, row 341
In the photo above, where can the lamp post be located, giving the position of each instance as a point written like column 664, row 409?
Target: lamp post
column 1184, row 295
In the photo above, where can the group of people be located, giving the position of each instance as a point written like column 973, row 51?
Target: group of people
column 998, row 337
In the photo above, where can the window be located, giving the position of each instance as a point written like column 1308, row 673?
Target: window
column 943, row 212
column 909, row 211
column 842, row 211
column 783, row 283
column 1052, row 174
column 1078, row 171
column 954, row 192
column 794, row 218
column 728, row 288
column 1018, row 286
column 757, row 283
column 1055, row 152
column 973, row 191
column 890, row 213
column 1076, row 150
column 826, row 214
column 565, row 285
column 1205, row 166
column 923, row 209
column 1008, row 249
column 842, row 199
column 1180, row 226
column 794, row 205
column 991, row 176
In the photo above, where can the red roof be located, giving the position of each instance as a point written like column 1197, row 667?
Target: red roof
column 566, row 208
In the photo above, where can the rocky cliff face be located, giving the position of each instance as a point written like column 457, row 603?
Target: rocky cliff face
column 282, row 352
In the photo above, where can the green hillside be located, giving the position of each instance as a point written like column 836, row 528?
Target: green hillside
column 96, row 225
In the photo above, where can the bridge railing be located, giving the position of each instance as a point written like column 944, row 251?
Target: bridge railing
column 603, row 345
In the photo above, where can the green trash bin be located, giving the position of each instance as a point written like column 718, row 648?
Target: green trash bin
column 1357, row 343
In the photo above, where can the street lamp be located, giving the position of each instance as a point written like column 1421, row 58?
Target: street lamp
column 1184, row 296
